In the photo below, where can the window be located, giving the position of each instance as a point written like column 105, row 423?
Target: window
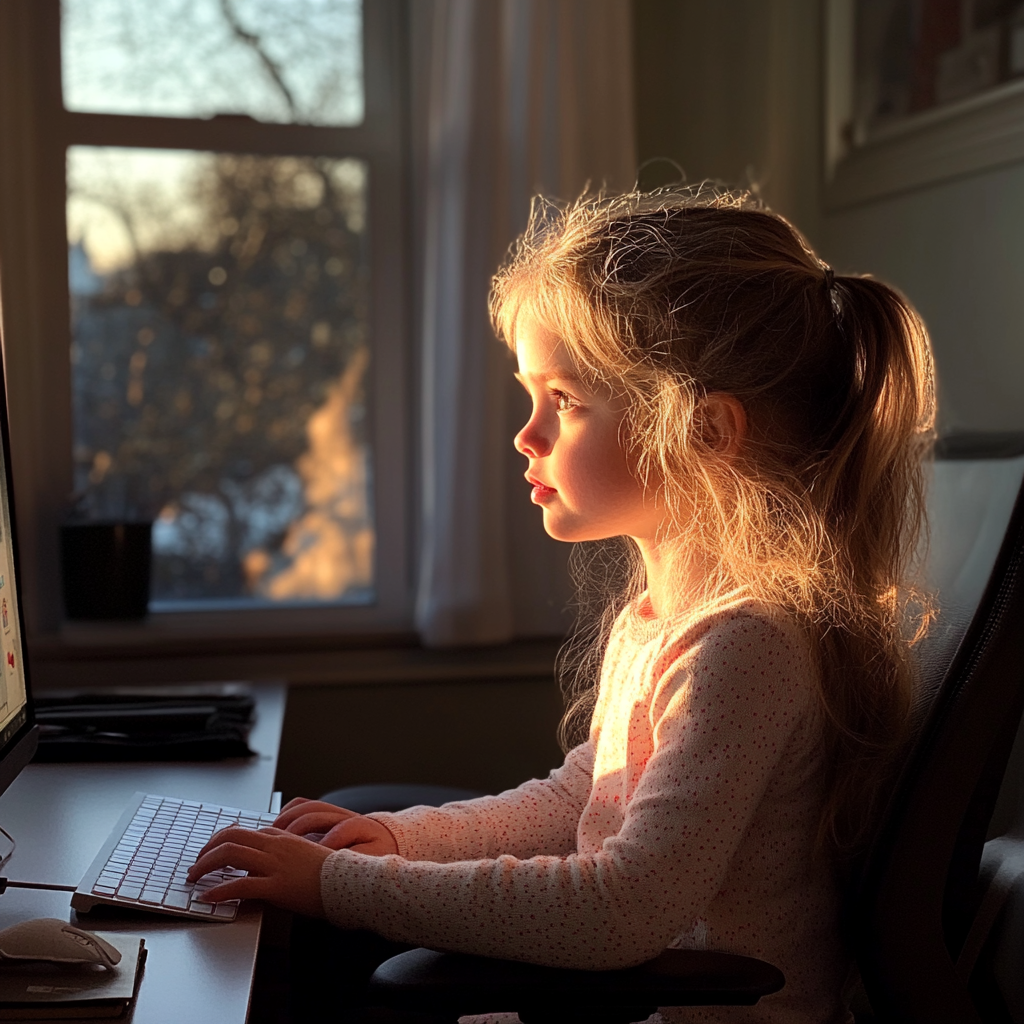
column 231, row 361
column 919, row 91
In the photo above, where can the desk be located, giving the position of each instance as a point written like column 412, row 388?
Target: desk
column 59, row 814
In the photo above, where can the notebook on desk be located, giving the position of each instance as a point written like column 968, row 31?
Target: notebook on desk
column 46, row 991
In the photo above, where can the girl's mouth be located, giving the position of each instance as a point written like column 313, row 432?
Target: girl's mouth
column 541, row 493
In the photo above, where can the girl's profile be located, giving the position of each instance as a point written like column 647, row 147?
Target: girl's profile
column 734, row 435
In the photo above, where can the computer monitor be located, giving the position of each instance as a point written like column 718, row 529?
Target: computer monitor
column 19, row 733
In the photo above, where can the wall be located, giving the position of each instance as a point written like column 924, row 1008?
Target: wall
column 730, row 90
column 957, row 250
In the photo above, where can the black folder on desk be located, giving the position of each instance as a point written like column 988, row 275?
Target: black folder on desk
column 195, row 723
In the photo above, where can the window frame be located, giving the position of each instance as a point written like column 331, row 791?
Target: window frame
column 36, row 131
column 972, row 135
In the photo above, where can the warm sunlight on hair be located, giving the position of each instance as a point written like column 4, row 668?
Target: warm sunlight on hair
column 673, row 297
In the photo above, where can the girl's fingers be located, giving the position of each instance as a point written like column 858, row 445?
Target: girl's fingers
column 316, row 821
column 294, row 809
column 243, row 836
column 249, row 888
column 295, row 805
column 247, row 856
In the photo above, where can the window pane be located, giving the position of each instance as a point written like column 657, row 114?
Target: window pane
column 280, row 61
column 219, row 352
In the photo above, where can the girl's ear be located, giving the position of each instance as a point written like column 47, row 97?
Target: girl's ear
column 725, row 422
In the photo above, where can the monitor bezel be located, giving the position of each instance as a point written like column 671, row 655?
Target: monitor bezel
column 21, row 747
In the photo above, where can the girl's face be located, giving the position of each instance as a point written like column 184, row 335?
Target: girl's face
column 579, row 471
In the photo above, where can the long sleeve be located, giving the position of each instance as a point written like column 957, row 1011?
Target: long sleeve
column 541, row 816
column 690, row 761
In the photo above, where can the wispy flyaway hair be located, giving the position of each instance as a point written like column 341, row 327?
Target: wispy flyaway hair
column 667, row 297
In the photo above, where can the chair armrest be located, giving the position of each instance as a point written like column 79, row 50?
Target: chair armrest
column 427, row 981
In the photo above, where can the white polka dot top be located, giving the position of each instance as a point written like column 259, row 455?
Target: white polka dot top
column 687, row 820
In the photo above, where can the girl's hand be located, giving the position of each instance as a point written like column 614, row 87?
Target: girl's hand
column 283, row 868
column 301, row 816
column 361, row 835
column 340, row 829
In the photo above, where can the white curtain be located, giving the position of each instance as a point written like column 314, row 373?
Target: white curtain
column 512, row 98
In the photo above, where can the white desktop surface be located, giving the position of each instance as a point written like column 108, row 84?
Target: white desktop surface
column 60, row 814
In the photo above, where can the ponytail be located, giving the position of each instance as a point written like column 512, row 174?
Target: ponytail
column 872, row 480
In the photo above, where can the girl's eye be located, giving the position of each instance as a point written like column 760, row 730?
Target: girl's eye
column 564, row 401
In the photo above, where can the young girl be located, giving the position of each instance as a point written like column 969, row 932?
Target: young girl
column 753, row 426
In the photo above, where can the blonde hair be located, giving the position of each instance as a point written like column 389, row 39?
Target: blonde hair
column 670, row 296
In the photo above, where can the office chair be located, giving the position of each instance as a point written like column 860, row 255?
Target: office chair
column 924, row 905
column 920, row 912
column 395, row 796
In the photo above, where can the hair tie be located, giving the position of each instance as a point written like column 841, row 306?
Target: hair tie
column 833, row 295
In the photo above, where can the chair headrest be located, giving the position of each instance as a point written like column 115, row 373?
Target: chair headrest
column 969, row 506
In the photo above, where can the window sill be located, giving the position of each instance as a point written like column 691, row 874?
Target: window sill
column 86, row 655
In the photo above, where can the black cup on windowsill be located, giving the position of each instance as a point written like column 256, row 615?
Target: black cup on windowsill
column 105, row 568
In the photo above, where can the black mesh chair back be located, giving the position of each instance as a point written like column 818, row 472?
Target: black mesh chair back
column 915, row 910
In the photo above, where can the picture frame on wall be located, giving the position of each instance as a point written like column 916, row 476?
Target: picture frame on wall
column 919, row 91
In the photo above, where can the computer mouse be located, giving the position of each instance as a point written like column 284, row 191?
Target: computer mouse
column 57, row 942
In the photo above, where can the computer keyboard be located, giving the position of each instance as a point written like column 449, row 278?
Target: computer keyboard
column 145, row 860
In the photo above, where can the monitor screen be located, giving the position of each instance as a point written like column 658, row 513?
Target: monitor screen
column 13, row 695
column 18, row 732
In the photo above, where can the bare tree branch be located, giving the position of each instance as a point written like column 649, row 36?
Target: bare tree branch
column 254, row 42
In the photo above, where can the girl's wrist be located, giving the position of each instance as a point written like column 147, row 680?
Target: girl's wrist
column 387, row 820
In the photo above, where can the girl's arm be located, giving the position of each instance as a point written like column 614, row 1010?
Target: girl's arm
column 539, row 817
column 725, row 714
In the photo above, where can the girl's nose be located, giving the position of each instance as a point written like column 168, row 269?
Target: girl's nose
column 531, row 441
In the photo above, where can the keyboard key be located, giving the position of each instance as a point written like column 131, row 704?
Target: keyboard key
column 225, row 910
column 201, row 908
column 130, row 892
column 104, row 890
column 177, row 900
